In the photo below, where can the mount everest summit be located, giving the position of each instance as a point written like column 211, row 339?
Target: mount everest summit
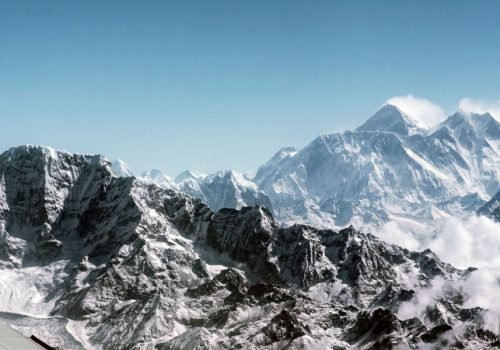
column 91, row 260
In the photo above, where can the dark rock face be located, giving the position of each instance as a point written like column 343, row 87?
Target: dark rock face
column 245, row 235
column 435, row 333
column 492, row 208
column 284, row 326
column 383, row 329
column 49, row 196
column 303, row 256
column 228, row 279
column 134, row 266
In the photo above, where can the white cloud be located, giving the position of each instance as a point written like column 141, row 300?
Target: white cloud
column 423, row 298
column 468, row 242
column 392, row 232
column 470, row 105
column 474, row 241
column 421, row 109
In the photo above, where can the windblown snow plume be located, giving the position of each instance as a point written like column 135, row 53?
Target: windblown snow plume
column 424, row 111
column 470, row 105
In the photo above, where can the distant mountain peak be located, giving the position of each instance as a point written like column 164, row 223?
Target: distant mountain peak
column 185, row 175
column 121, row 169
column 157, row 177
column 482, row 124
column 390, row 118
column 282, row 154
column 231, row 176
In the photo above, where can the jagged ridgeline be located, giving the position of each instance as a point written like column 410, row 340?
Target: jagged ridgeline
column 388, row 170
column 89, row 260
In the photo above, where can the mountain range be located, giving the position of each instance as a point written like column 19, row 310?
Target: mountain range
column 390, row 169
column 91, row 260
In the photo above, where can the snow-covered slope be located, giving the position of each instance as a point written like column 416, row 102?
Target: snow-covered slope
column 118, row 263
column 224, row 189
column 388, row 169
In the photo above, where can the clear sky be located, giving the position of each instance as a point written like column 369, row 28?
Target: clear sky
column 210, row 85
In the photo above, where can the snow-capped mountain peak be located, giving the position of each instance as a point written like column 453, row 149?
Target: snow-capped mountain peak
column 121, row 169
column 390, row 118
column 223, row 189
column 158, row 178
column 476, row 120
column 185, row 175
column 283, row 154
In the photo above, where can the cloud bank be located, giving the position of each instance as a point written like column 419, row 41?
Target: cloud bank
column 422, row 110
column 469, row 242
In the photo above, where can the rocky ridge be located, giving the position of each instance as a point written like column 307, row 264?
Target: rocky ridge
column 492, row 207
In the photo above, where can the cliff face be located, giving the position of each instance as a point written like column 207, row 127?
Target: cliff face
column 492, row 207
column 116, row 263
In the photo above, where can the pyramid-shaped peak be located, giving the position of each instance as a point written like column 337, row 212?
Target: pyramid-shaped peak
column 390, row 118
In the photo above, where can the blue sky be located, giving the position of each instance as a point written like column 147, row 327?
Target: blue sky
column 210, row 85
